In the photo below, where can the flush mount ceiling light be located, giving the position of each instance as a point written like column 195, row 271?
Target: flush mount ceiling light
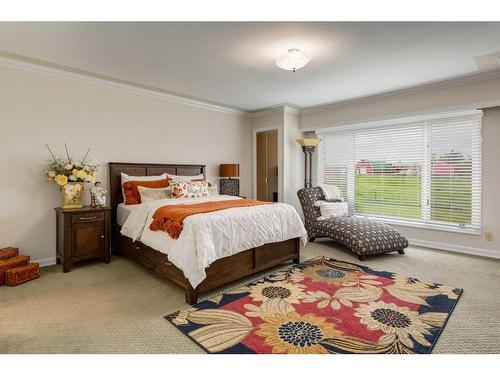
column 292, row 60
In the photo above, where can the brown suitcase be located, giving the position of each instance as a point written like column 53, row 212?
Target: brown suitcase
column 19, row 275
column 13, row 262
column 9, row 252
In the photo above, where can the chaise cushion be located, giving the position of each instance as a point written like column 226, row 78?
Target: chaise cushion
column 362, row 236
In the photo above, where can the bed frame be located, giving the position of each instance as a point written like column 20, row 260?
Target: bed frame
column 220, row 272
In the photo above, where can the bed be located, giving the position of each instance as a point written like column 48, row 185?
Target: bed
column 219, row 271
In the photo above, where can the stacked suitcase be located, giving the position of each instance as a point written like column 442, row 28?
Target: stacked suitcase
column 16, row 269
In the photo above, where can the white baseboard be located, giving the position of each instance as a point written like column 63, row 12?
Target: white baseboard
column 46, row 261
column 456, row 248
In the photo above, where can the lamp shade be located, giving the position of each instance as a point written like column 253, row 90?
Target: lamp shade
column 308, row 142
column 229, row 170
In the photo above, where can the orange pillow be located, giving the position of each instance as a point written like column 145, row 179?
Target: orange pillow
column 132, row 195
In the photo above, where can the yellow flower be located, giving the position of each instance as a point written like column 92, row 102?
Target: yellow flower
column 81, row 174
column 61, row 179
column 296, row 334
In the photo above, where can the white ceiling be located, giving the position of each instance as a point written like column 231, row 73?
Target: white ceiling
column 233, row 63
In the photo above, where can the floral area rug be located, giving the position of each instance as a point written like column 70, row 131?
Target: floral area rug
column 322, row 306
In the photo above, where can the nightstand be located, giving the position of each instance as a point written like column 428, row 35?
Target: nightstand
column 82, row 233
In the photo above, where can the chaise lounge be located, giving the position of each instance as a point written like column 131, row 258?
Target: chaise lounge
column 361, row 235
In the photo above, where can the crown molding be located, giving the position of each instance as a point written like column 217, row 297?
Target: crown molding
column 292, row 109
column 21, row 62
column 420, row 89
column 109, row 82
column 265, row 112
column 280, row 108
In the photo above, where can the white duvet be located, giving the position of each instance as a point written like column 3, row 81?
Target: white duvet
column 214, row 235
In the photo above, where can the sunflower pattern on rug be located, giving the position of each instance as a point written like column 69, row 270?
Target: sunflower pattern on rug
column 322, row 306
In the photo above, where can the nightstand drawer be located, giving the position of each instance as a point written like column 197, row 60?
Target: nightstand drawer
column 87, row 217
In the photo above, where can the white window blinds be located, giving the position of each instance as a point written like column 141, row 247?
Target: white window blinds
column 455, row 175
column 337, row 170
column 388, row 167
column 424, row 169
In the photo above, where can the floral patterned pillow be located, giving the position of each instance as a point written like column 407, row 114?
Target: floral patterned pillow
column 190, row 189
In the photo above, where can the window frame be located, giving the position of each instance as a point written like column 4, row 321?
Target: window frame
column 425, row 221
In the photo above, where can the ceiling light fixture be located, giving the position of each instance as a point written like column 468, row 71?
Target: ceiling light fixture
column 292, row 60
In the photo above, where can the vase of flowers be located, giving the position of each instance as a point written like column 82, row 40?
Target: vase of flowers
column 70, row 174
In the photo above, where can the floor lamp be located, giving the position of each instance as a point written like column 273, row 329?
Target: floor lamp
column 308, row 146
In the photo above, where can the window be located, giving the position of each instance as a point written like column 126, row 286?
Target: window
column 423, row 170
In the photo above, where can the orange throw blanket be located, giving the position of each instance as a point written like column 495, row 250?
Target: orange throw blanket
column 170, row 218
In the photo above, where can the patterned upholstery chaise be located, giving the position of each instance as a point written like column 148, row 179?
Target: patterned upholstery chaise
column 362, row 236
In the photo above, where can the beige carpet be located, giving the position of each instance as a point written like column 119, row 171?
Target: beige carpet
column 119, row 308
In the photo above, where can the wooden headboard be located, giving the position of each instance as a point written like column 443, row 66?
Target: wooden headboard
column 144, row 169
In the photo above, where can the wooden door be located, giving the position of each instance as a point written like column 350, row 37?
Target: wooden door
column 262, row 166
column 267, row 166
column 272, row 166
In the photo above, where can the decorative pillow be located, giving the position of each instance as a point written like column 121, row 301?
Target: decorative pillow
column 178, row 178
column 131, row 191
column 190, row 189
column 331, row 209
column 212, row 189
column 332, row 193
column 152, row 194
column 125, row 178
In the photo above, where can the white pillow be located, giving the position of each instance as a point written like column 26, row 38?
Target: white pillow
column 212, row 189
column 153, row 194
column 125, row 177
column 331, row 209
column 178, row 178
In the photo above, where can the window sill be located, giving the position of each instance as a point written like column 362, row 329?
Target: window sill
column 421, row 225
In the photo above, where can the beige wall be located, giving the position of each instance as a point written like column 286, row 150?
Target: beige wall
column 291, row 162
column 294, row 159
column 467, row 96
column 474, row 95
column 36, row 108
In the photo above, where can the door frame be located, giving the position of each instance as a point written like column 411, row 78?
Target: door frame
column 280, row 160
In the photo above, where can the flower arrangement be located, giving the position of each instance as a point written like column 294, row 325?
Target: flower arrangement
column 70, row 174
column 67, row 170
